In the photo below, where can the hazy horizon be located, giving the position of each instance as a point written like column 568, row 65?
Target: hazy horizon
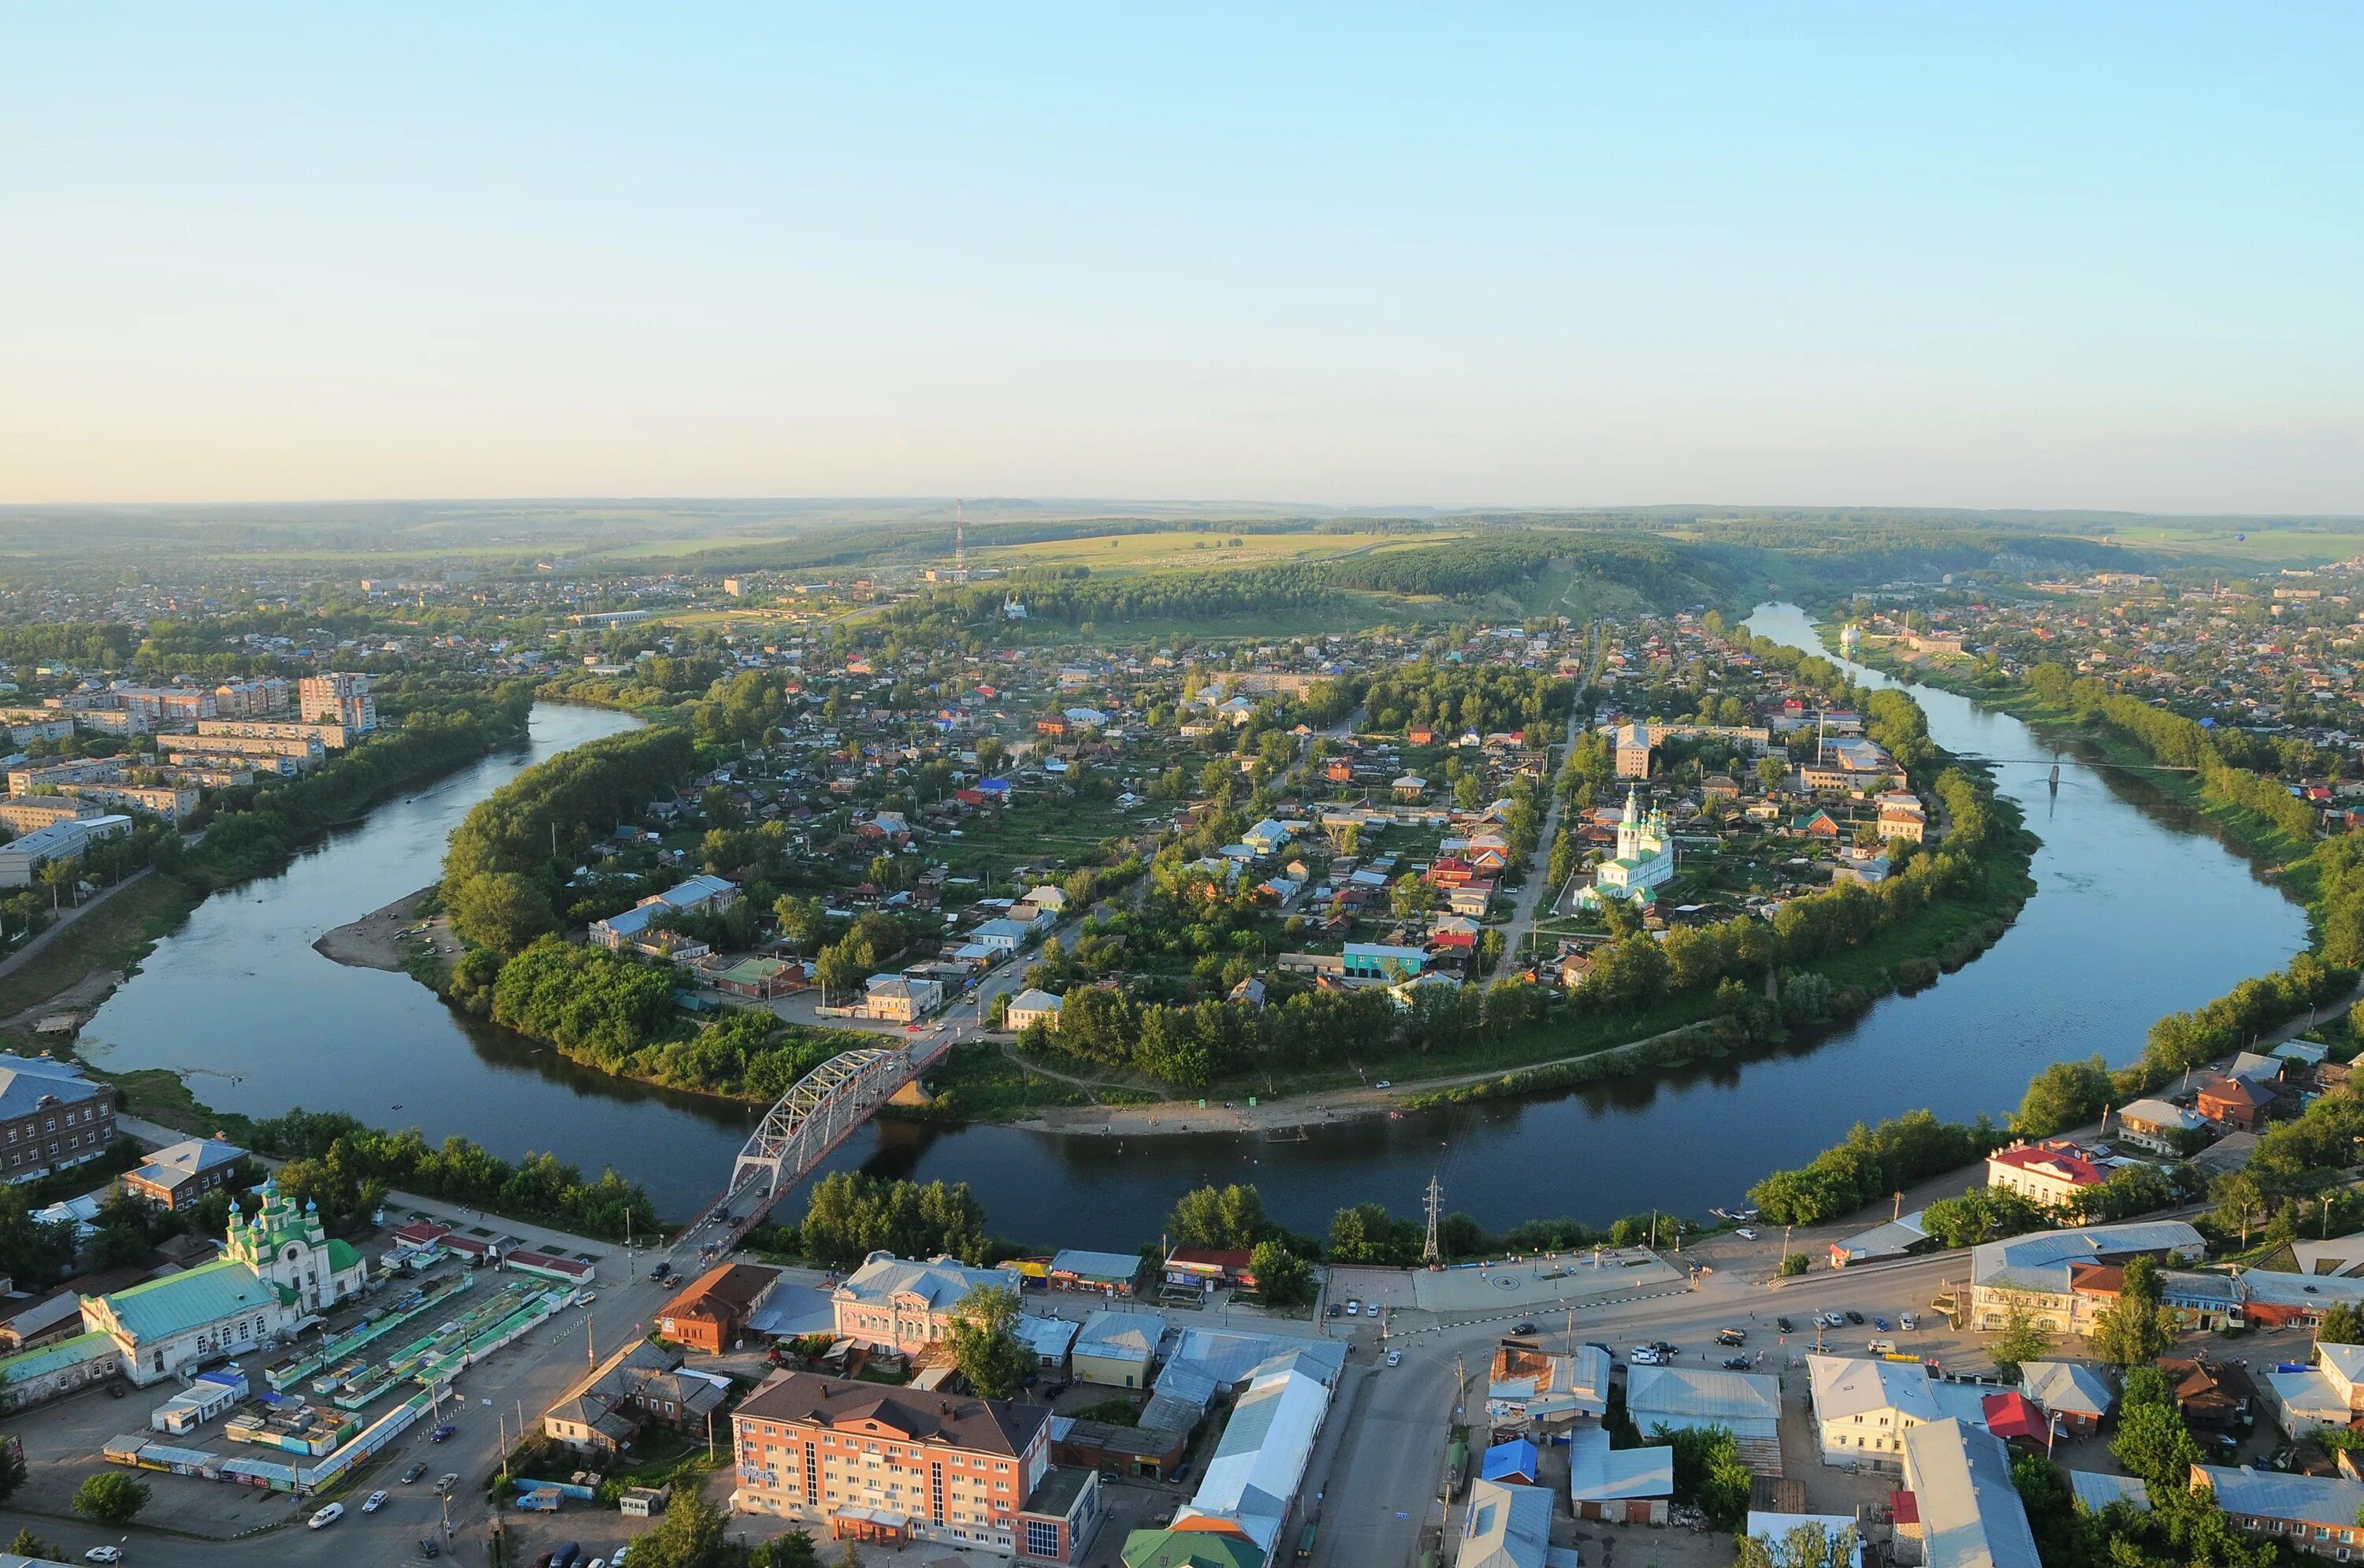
column 1855, row 258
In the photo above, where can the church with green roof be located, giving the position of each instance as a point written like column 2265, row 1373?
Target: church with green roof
column 277, row 1269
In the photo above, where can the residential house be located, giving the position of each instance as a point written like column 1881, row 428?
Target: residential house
column 640, row 1385
column 2315, row 1514
column 2074, row 1396
column 1965, row 1512
column 2213, row 1395
column 712, row 1314
column 1745, row 1403
column 2157, row 1126
column 2050, row 1174
column 1506, row 1526
column 1864, row 1406
column 2237, row 1103
column 905, row 1304
column 2032, row 1273
column 1117, row 1350
column 1033, row 1005
column 1630, row 1486
column 901, row 998
column 178, row 1175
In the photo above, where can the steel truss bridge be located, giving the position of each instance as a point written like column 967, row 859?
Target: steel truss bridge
column 819, row 1111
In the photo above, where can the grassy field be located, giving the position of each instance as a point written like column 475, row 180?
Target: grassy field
column 1033, row 832
column 1565, row 592
column 1339, row 612
column 2264, row 545
column 117, row 935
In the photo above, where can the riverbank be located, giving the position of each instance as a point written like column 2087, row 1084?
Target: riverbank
column 374, row 941
column 2267, row 847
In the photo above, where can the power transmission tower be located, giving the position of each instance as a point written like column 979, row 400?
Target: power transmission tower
column 1428, row 1254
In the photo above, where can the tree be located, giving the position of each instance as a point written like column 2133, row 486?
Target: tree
column 2342, row 1325
column 1231, row 1216
column 1800, row 1546
column 1283, row 1279
column 2021, row 1339
column 2240, row 1201
column 986, row 1347
column 1772, row 772
column 2154, row 1443
column 111, row 1498
column 794, row 1549
column 12, row 1472
column 501, row 910
column 2138, row 1329
column 1709, row 1472
column 2063, row 1094
column 27, row 1545
column 690, row 1536
column 801, row 922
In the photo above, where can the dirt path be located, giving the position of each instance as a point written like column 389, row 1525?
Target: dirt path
column 373, row 940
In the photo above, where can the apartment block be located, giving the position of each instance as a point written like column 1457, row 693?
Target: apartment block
column 341, row 699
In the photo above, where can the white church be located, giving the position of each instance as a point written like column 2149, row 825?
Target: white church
column 1646, row 857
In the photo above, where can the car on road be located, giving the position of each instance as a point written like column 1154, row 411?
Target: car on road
column 1855, row 1317
column 1731, row 1336
column 1644, row 1355
column 445, row 1482
column 1385, row 1083
column 103, row 1554
column 413, row 1473
column 1882, row 1347
column 1736, row 1364
column 1394, row 1358
column 1783, row 1324
column 589, row 1297
column 439, row 1433
column 327, row 1517
column 376, row 1501
column 1746, row 1234
column 426, row 1546
column 1523, row 1327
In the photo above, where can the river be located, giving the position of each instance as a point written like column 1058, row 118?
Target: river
column 2139, row 912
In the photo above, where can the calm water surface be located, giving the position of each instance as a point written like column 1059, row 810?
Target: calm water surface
column 2138, row 912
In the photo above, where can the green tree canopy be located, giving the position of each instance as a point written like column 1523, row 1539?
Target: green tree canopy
column 986, row 1346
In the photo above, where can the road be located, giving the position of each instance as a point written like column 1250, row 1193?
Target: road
column 1377, row 1505
column 1523, row 910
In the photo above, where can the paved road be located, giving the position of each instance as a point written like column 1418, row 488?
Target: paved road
column 1378, row 1507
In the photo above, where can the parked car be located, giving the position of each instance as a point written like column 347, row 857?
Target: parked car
column 1882, row 1347
column 1385, row 1083
column 1736, row 1364
column 1334, row 1310
column 1855, row 1317
column 1910, row 1322
column 327, row 1517
column 1880, row 1323
column 1746, row 1234
column 1644, row 1356
column 1394, row 1358
column 103, row 1554
column 1731, row 1336
column 1353, row 1309
column 426, row 1546
column 376, row 1501
column 413, row 1473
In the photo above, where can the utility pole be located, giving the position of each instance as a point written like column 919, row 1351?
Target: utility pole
column 1429, row 1253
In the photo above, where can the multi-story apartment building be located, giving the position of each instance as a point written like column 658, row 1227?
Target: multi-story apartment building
column 252, row 699
column 337, row 699
column 178, row 704
column 31, row 813
column 30, row 778
column 171, row 802
column 50, row 1117
column 335, row 737
column 897, row 1466
column 303, row 747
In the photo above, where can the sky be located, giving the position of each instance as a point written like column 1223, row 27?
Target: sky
column 1993, row 256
